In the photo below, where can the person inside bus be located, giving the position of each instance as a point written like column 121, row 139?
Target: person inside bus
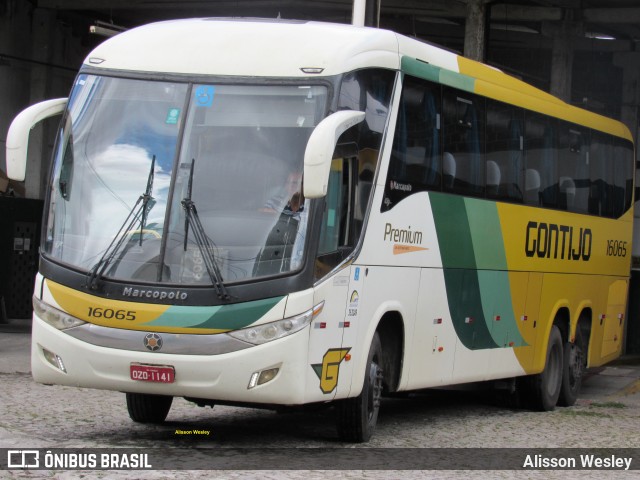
column 283, row 249
column 288, row 199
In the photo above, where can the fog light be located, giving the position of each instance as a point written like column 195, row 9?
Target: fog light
column 53, row 359
column 267, row 375
column 253, row 381
column 260, row 378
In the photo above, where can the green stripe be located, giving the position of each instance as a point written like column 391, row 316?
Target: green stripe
column 465, row 306
column 457, row 80
column 486, row 234
column 460, row 275
column 430, row 72
column 495, row 292
column 452, row 228
column 420, row 69
column 225, row 317
column 240, row 315
column 475, row 271
column 493, row 278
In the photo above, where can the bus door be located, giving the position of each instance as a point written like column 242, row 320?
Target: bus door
column 328, row 350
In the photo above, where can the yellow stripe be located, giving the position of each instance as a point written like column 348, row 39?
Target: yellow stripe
column 495, row 84
column 83, row 306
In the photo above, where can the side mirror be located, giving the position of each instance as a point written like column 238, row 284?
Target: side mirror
column 320, row 147
column 18, row 135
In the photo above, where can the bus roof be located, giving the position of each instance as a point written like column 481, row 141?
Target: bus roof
column 283, row 48
column 247, row 47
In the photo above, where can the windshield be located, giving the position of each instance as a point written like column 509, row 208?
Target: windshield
column 165, row 182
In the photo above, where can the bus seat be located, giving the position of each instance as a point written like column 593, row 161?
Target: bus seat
column 448, row 170
column 532, row 187
column 567, row 193
column 493, row 178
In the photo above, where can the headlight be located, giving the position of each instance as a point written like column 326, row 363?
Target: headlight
column 267, row 332
column 53, row 316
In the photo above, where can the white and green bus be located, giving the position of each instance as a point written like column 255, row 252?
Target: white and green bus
column 284, row 213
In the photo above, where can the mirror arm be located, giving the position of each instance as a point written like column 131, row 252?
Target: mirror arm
column 320, row 148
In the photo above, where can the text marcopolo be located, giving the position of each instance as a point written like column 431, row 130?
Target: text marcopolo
column 156, row 294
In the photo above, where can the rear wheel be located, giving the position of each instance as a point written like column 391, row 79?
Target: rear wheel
column 144, row 408
column 357, row 417
column 541, row 391
column 572, row 371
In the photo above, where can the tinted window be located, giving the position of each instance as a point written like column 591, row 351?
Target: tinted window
column 541, row 160
column 573, row 168
column 504, row 155
column 415, row 157
column 600, row 173
column 463, row 142
column 450, row 140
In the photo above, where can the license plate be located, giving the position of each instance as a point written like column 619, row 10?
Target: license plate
column 152, row 373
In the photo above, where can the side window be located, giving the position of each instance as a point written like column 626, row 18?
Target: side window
column 622, row 177
column 504, row 155
column 367, row 90
column 415, row 163
column 573, row 168
column 463, row 143
column 541, row 160
column 336, row 235
column 600, row 191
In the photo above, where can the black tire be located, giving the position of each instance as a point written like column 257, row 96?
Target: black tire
column 541, row 392
column 357, row 417
column 572, row 371
column 144, row 408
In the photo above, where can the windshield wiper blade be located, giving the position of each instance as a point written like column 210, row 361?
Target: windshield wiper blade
column 192, row 219
column 147, row 200
column 139, row 212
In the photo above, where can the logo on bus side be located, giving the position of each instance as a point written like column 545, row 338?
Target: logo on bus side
column 404, row 240
column 329, row 369
column 564, row 242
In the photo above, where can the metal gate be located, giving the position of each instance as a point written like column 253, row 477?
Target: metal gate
column 20, row 221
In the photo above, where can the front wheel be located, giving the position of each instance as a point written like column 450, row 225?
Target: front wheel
column 357, row 417
column 144, row 408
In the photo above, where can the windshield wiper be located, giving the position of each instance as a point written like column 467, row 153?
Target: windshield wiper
column 202, row 240
column 139, row 212
column 147, row 200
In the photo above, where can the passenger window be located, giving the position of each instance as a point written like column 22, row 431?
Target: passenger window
column 573, row 168
column 504, row 155
column 541, row 157
column 463, row 141
column 601, row 173
column 622, row 177
column 415, row 156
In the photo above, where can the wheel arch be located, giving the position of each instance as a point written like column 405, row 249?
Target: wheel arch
column 562, row 319
column 391, row 331
column 584, row 326
column 390, row 326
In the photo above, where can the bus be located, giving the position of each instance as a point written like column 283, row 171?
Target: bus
column 277, row 214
